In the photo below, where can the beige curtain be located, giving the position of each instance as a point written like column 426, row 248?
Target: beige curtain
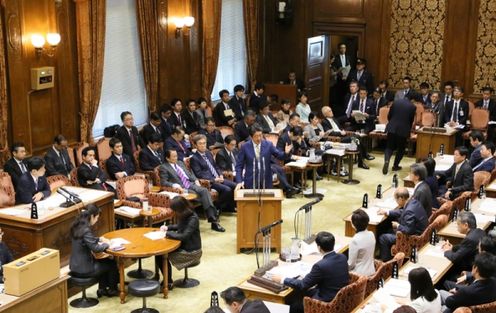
column 4, row 145
column 211, row 15
column 251, row 14
column 90, row 23
column 146, row 11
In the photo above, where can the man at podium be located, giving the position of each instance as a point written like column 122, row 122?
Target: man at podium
column 253, row 164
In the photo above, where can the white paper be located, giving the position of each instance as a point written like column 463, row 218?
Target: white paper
column 397, row 287
column 488, row 205
column 290, row 270
column 301, row 162
column 112, row 183
column 275, row 307
column 434, row 251
column 380, row 128
column 14, row 212
column 337, row 152
column 411, row 266
column 155, row 235
column 388, row 203
column 307, row 249
column 491, row 123
column 483, row 219
column 134, row 212
column 171, row 195
column 118, row 242
column 373, row 216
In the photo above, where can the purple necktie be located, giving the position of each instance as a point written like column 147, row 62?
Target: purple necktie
column 210, row 166
column 182, row 176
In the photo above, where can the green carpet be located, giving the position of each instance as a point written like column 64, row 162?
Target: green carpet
column 221, row 267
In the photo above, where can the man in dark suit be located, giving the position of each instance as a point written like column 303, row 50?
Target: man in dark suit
column 257, row 98
column 191, row 117
column 425, row 94
column 438, row 107
column 447, row 96
column 489, row 104
column 173, row 173
column 257, row 149
column 386, row 94
column 119, row 164
column 204, row 167
column 242, row 129
column 152, row 155
column 412, row 220
column 16, row 165
column 128, row 135
column 407, row 92
column 32, row 185
column 487, row 163
column 237, row 102
column 350, row 102
column 476, row 138
column 458, row 178
column 223, row 114
column 176, row 142
column 214, row 137
column 463, row 254
column 165, row 124
column 89, row 174
column 481, row 291
column 236, row 301
column 176, row 119
column 361, row 75
column 342, row 64
column 57, row 160
column 400, row 117
column 328, row 275
column 292, row 80
column 421, row 191
column 226, row 157
column 153, row 127
column 266, row 120
column 378, row 100
column 456, row 112
column 367, row 107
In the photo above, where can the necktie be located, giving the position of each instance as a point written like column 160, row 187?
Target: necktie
column 121, row 159
column 486, row 104
column 210, row 166
column 362, row 105
column 182, row 176
column 377, row 107
column 405, row 91
column 133, row 144
column 35, row 184
column 447, row 99
column 63, row 160
column 350, row 104
column 257, row 151
column 454, row 114
column 233, row 160
column 158, row 156
column 157, row 130
column 23, row 167
column 359, row 75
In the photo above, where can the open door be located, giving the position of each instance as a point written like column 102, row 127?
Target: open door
column 316, row 71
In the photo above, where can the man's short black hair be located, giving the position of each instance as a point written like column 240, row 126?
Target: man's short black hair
column 325, row 240
column 124, row 114
column 222, row 92
column 191, row 100
column 384, row 82
column 296, row 131
column 174, row 101
column 449, row 83
column 154, row 138
column 490, row 146
column 259, row 86
column 15, row 146
column 35, row 163
column 87, row 149
column 154, row 116
column 233, row 294
column 425, row 85
column 459, row 88
column 476, row 135
column 488, row 244
column 165, row 108
column 113, row 141
column 254, row 129
column 285, row 101
column 176, row 131
column 418, row 169
column 462, row 150
column 239, row 88
column 229, row 139
column 58, row 139
column 485, row 263
column 293, row 115
column 250, row 113
column 209, row 120
column 360, row 219
column 430, row 166
column 362, row 87
column 167, row 153
column 407, row 78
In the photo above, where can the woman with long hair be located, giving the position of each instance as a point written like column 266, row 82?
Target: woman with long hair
column 187, row 230
column 425, row 299
column 84, row 245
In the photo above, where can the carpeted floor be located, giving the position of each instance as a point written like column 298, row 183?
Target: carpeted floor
column 221, row 267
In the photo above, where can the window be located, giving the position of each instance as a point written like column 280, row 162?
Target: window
column 123, row 86
column 231, row 69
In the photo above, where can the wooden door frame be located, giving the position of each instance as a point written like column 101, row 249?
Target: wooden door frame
column 342, row 29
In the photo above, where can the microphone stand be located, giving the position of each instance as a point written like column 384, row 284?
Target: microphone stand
column 68, row 201
column 308, row 222
column 267, row 236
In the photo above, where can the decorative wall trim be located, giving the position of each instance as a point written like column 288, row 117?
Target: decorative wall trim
column 485, row 55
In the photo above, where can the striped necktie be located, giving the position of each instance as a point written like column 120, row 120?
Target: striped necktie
column 182, row 176
column 210, row 166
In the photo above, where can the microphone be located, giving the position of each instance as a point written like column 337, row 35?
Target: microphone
column 63, row 194
column 266, row 228
column 68, row 201
column 315, row 201
column 72, row 194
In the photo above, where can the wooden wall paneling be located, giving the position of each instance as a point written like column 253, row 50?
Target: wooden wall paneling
column 162, row 44
column 195, row 51
column 347, row 9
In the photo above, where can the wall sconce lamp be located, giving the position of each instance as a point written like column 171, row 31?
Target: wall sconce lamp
column 181, row 22
column 38, row 42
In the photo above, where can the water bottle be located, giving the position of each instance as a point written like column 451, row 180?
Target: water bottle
column 394, row 274
column 395, row 181
column 413, row 255
column 365, row 201
column 145, row 205
column 433, row 240
column 455, row 215
column 482, row 192
column 468, row 204
column 441, row 149
column 378, row 193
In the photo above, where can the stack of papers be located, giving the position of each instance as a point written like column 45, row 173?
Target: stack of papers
column 170, row 194
column 337, row 152
column 307, row 249
column 155, row 235
column 300, row 163
column 411, row 266
column 388, row 203
column 434, row 251
column 397, row 288
column 290, row 270
column 488, row 205
column 373, row 216
column 483, row 219
column 380, row 128
column 127, row 210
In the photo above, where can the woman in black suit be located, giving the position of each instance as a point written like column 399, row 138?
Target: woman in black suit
column 84, row 244
column 187, row 230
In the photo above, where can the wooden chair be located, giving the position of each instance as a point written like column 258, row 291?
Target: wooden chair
column 74, row 179
column 57, row 181
column 7, row 191
column 444, row 209
column 137, row 187
column 398, row 259
column 428, row 118
column 373, row 280
column 478, row 121
column 345, row 301
column 382, row 119
column 484, row 308
column 103, row 149
column 70, row 151
column 418, row 113
column 79, row 149
column 481, row 178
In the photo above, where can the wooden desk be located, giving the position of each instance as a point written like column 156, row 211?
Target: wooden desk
column 24, row 235
column 249, row 213
column 140, row 247
column 254, row 292
column 443, row 163
column 48, row 298
column 491, row 190
column 451, row 232
column 430, row 142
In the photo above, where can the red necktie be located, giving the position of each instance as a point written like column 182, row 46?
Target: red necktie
column 133, row 144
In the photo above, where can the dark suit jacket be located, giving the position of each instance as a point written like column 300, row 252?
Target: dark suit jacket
column 464, row 180
column 462, row 112
column 300, row 85
column 439, row 109
column 187, row 230
column 338, row 64
column 166, row 129
column 192, row 122
column 370, row 109
column 182, row 151
column 328, row 276
column 492, row 108
column 238, row 105
column 148, row 131
column 412, row 219
column 463, row 254
column 241, row 131
column 213, row 138
column 200, row 167
column 379, row 104
column 115, row 166
column 174, row 121
column 327, row 126
column 13, row 169
column 366, row 79
column 434, row 187
column 148, row 161
column 487, row 166
column 444, row 100
column 264, row 124
column 55, row 165
column 479, row 292
column 123, row 135
column 86, row 173
column 254, row 306
column 169, row 176
column 245, row 162
column 400, row 117
column 5, row 257
column 218, row 114
column 347, row 100
column 256, row 102
column 224, row 161
column 424, row 196
column 82, row 261
column 388, row 97
column 475, row 156
column 400, row 94
column 298, row 148
column 26, row 188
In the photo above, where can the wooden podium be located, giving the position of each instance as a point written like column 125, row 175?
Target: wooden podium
column 247, row 221
column 431, row 141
